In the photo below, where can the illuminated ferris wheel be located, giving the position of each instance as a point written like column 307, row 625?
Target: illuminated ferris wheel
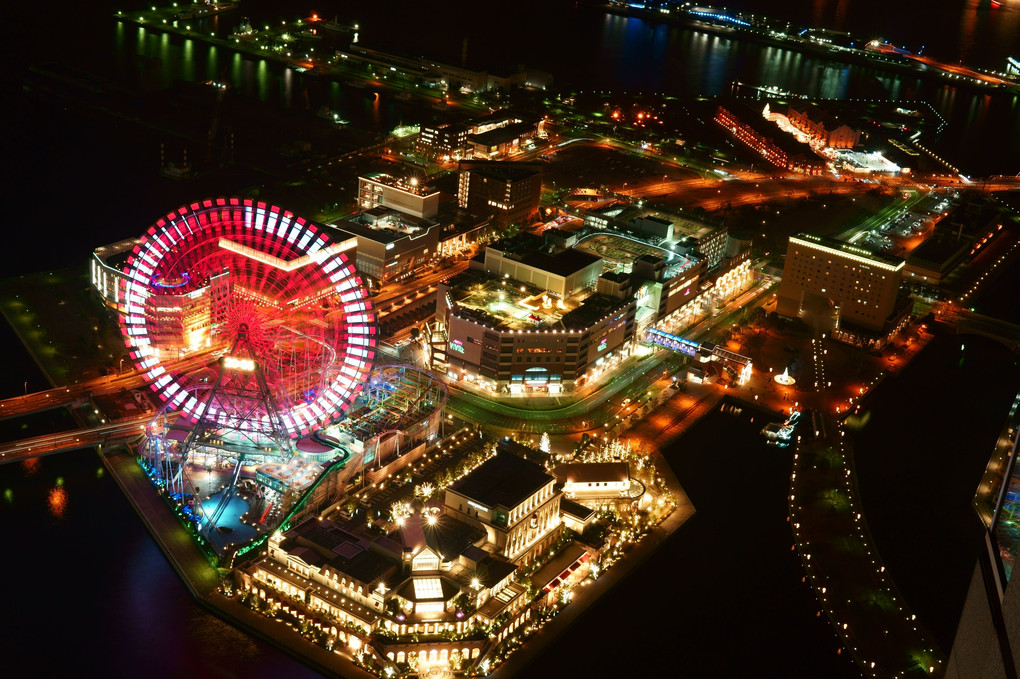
column 245, row 317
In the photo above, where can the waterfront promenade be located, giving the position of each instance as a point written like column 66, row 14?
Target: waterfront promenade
column 830, row 532
column 203, row 580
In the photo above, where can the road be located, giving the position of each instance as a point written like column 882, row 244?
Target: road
column 14, row 451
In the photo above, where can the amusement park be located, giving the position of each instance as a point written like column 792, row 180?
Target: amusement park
column 257, row 337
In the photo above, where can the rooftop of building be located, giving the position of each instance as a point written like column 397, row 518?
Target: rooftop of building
column 435, row 588
column 592, row 472
column 450, row 538
column 616, row 276
column 533, row 251
column 569, row 558
column 657, row 220
column 383, row 225
column 557, row 232
column 457, row 221
column 115, row 255
column 329, row 545
column 501, row 170
column 503, row 480
column 594, row 309
column 576, row 510
column 409, row 184
column 503, row 303
column 502, row 135
column 838, row 247
column 503, row 115
column 492, row 570
column 619, row 253
column 819, row 114
column 937, row 252
column 448, row 128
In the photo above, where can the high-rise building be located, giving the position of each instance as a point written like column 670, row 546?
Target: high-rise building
column 508, row 192
column 860, row 285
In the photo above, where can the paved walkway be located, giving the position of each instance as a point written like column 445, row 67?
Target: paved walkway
column 202, row 580
column 585, row 597
column 177, row 544
column 867, row 611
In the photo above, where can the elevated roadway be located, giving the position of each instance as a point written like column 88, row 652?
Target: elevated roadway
column 88, row 437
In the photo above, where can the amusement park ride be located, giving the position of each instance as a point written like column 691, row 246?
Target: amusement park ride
column 287, row 336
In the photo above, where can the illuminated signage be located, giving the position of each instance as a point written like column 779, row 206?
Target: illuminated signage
column 603, row 343
column 481, row 508
column 235, row 363
column 457, row 345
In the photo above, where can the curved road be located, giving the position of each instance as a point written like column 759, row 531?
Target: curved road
column 591, row 412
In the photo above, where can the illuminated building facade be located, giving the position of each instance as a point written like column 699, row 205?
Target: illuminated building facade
column 513, row 500
column 821, row 125
column 446, row 142
column 508, row 192
column 765, row 138
column 594, row 480
column 501, row 134
column 391, row 244
column 106, row 272
column 438, row 583
column 406, row 195
column 525, row 319
column 503, row 338
column 861, row 285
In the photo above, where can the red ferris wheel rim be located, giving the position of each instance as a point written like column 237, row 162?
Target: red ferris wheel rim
column 283, row 255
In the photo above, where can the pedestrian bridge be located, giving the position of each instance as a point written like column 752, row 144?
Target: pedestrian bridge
column 970, row 323
column 739, row 366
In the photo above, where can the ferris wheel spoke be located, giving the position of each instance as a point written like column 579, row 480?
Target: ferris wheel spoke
column 213, row 271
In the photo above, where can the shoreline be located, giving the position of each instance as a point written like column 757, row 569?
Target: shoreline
column 828, row 521
column 186, row 559
column 857, row 58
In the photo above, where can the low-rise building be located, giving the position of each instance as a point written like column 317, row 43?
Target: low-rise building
column 391, row 244
column 527, row 259
column 514, row 500
column 822, row 125
column 506, row 336
column 934, row 259
column 447, row 141
column 594, row 480
column 765, row 138
column 409, row 195
column 106, row 272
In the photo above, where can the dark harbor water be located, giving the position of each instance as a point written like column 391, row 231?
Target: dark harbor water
column 723, row 596
column 920, row 456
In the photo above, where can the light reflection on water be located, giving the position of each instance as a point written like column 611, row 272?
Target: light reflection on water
column 140, row 618
column 56, row 501
column 30, row 466
column 628, row 54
